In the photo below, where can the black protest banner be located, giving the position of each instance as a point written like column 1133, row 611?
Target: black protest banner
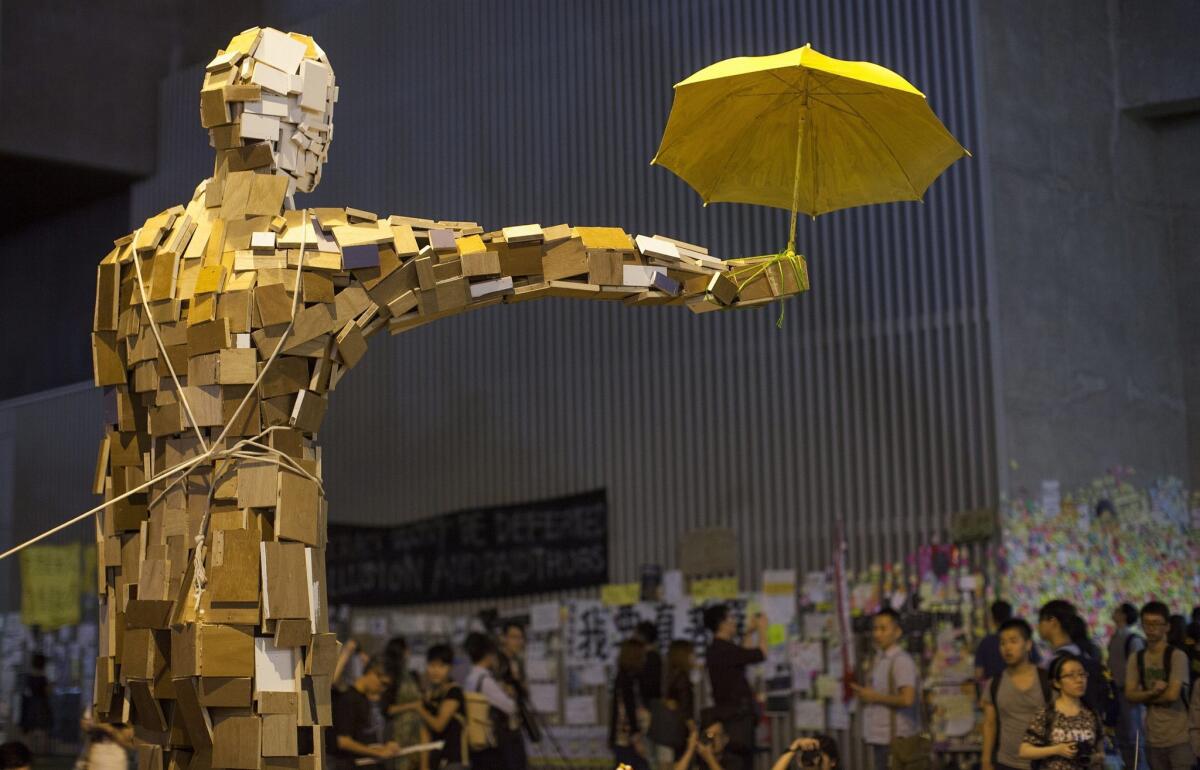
column 507, row 550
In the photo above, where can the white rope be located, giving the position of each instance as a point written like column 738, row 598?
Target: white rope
column 269, row 454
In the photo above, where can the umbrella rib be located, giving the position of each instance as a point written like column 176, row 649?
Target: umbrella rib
column 708, row 110
column 737, row 144
column 849, row 109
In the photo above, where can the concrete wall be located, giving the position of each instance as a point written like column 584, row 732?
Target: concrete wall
column 1091, row 207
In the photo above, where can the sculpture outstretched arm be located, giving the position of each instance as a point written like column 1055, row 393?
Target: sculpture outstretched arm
column 427, row 270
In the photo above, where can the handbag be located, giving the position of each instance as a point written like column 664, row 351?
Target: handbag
column 914, row 752
column 667, row 725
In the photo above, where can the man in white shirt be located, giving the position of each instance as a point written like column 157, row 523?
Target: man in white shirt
column 482, row 679
column 891, row 700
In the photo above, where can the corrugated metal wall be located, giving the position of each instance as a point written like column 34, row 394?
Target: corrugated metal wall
column 873, row 403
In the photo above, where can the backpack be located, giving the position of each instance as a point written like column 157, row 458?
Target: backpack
column 1167, row 655
column 1129, row 637
column 481, row 733
column 1047, row 695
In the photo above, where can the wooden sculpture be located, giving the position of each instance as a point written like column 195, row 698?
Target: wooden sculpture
column 221, row 328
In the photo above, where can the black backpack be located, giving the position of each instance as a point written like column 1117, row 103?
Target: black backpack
column 1047, row 695
column 1167, row 655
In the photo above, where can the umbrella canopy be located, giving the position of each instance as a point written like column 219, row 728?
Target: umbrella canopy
column 804, row 132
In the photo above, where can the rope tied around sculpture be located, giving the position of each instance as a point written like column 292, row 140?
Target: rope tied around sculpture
column 212, row 453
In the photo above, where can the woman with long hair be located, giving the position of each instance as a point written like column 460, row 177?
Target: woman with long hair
column 1065, row 734
column 629, row 717
column 399, row 700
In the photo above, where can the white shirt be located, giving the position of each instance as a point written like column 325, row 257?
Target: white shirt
column 877, row 718
column 480, row 679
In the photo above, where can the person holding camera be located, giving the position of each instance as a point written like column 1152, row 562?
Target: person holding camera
column 727, row 662
column 819, row 753
column 706, row 747
column 1065, row 734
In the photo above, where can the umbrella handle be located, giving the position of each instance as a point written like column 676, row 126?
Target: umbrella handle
column 796, row 178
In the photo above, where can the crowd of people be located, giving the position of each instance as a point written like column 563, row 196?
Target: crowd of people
column 1057, row 715
column 1055, row 709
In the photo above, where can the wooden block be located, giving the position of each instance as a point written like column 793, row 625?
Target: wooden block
column 523, row 234
column 279, row 735
column 279, row 702
column 287, row 374
column 237, row 366
column 441, row 239
column 317, row 287
column 308, row 412
column 234, row 572
column 403, row 240
column 322, row 655
column 195, row 716
column 481, row 264
column 108, row 292
column 237, row 742
column 566, row 260
column 208, row 337
column 520, row 260
column 267, row 192
column 143, row 654
column 425, row 276
column 226, row 651
column 236, row 193
column 213, row 109
column 226, row 691
column 311, row 322
column 285, row 587
column 605, row 238
column 149, row 613
column 258, row 484
column 605, row 268
column 351, row 346
column 274, row 304
column 108, row 363
column 452, row 293
column 296, row 516
column 722, row 289
column 293, row 632
column 205, row 405
column 147, row 712
column 280, row 51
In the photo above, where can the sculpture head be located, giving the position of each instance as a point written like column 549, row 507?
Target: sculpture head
column 268, row 99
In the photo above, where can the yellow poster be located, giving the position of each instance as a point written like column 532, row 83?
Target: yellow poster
column 50, row 585
column 620, row 594
column 714, row 588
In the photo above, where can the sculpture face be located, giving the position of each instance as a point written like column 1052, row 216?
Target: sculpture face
column 269, row 95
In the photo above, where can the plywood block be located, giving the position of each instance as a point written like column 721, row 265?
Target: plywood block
column 351, row 346
column 293, row 632
column 285, row 586
column 237, row 366
column 234, row 572
column 274, row 304
column 279, row 735
column 481, row 263
column 226, row 691
column 226, row 651
column 286, row 375
column 208, row 337
column 237, row 742
column 523, row 234
column 296, row 517
column 258, row 484
column 605, row 238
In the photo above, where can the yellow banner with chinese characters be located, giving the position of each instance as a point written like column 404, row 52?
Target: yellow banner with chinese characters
column 50, row 585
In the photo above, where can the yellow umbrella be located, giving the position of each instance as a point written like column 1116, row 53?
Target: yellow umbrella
column 805, row 132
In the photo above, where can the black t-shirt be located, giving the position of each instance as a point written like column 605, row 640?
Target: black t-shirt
column 352, row 718
column 726, row 760
column 726, row 663
column 452, row 735
column 650, row 679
